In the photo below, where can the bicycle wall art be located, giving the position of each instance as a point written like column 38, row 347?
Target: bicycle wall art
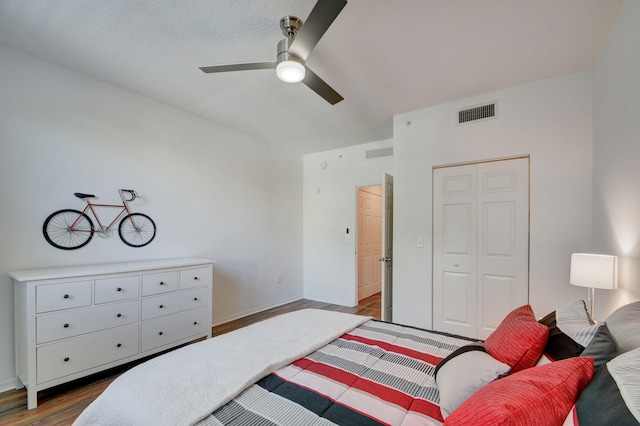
column 71, row 229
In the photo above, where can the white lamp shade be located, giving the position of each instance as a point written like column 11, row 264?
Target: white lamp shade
column 594, row 271
column 290, row 71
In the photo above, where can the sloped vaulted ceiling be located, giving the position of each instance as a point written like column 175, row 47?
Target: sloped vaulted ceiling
column 385, row 57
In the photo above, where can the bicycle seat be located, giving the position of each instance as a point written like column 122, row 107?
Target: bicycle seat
column 83, row 196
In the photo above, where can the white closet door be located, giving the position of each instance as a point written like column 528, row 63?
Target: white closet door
column 503, row 241
column 454, row 248
column 480, row 246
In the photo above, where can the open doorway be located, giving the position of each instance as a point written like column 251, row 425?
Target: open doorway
column 374, row 246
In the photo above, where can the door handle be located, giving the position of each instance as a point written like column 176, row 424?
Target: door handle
column 385, row 259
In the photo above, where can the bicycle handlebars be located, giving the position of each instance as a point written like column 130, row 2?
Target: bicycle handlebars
column 133, row 193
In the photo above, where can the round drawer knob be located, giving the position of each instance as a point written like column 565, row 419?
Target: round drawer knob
column 161, row 306
column 119, row 315
column 119, row 289
column 195, row 323
column 161, row 333
column 195, row 299
column 66, row 296
column 66, row 326
column 161, row 282
column 66, row 359
column 119, row 345
column 196, row 278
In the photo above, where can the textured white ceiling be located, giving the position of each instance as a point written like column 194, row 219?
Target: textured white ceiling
column 385, row 57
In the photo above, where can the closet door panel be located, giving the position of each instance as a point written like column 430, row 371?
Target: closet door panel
column 454, row 250
column 503, row 241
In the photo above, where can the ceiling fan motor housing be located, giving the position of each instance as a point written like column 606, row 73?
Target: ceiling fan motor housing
column 283, row 51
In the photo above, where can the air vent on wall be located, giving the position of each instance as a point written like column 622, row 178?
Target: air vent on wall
column 382, row 152
column 480, row 112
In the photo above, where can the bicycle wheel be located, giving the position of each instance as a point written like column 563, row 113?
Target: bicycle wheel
column 68, row 229
column 137, row 230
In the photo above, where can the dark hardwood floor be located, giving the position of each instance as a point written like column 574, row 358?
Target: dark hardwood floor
column 62, row 404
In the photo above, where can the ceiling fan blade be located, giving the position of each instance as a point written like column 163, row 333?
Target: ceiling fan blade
column 239, row 67
column 321, row 17
column 318, row 85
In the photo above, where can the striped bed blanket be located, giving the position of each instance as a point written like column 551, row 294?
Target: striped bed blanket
column 377, row 373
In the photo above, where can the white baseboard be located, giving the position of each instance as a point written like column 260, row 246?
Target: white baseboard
column 254, row 311
column 9, row 384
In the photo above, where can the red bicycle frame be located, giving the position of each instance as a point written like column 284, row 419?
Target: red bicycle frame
column 90, row 206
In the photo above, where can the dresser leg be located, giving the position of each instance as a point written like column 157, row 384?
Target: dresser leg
column 32, row 399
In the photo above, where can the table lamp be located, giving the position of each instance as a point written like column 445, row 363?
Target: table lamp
column 594, row 271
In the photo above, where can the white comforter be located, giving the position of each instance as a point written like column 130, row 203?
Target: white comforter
column 186, row 385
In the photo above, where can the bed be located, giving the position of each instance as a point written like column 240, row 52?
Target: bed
column 315, row 367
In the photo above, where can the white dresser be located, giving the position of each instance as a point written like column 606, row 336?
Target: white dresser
column 75, row 321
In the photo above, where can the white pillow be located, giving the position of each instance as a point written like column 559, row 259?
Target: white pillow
column 465, row 374
column 624, row 324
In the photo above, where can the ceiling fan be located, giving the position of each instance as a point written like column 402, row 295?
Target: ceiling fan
column 294, row 50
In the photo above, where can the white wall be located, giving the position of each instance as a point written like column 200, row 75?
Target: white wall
column 550, row 121
column 213, row 192
column 616, row 203
column 329, row 208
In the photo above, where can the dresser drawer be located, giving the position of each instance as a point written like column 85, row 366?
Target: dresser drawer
column 162, row 282
column 168, row 329
column 117, row 289
column 166, row 304
column 65, row 324
column 72, row 356
column 196, row 277
column 54, row 297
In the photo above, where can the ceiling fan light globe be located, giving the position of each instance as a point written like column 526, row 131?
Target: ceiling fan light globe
column 290, row 71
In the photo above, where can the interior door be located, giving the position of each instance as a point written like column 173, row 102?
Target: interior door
column 387, row 248
column 369, row 240
column 480, row 245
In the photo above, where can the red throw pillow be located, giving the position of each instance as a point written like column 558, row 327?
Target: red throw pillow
column 519, row 340
column 537, row 396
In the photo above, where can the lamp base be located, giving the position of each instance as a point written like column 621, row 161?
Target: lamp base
column 591, row 297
